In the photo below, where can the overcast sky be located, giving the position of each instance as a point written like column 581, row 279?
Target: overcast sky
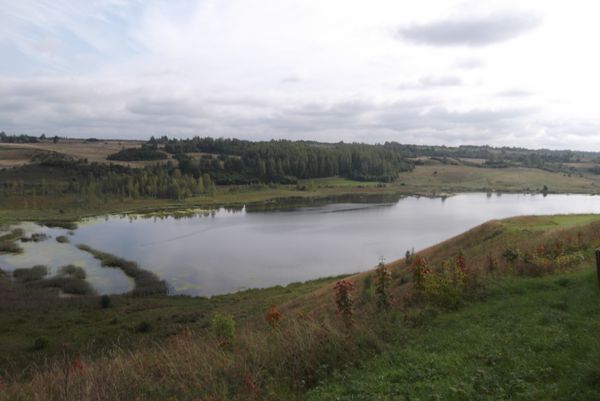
column 522, row 73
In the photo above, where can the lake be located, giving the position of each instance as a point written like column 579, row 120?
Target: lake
column 226, row 251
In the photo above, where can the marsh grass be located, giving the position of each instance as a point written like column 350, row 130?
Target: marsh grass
column 8, row 241
column 146, row 282
column 63, row 239
column 31, row 274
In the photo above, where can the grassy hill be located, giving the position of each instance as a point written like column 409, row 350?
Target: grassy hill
column 530, row 339
column 515, row 316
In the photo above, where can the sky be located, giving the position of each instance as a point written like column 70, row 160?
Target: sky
column 502, row 73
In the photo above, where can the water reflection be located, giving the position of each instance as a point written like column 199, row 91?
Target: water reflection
column 212, row 252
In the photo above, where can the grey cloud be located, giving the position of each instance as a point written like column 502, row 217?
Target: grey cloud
column 448, row 80
column 432, row 81
column 469, row 63
column 471, row 31
column 74, row 109
column 291, row 79
column 514, row 93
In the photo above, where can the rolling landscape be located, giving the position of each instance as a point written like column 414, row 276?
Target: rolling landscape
column 279, row 201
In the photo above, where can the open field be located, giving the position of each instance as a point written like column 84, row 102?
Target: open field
column 449, row 178
column 18, row 154
column 516, row 336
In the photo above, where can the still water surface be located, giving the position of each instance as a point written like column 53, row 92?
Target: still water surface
column 228, row 251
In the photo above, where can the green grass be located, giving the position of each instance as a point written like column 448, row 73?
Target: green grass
column 81, row 326
column 448, row 178
column 531, row 339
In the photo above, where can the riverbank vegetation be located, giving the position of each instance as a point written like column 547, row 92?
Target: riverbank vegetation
column 71, row 178
column 489, row 314
column 146, row 282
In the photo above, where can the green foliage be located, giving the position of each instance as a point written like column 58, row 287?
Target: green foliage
column 63, row 239
column 383, row 277
column 72, row 271
column 445, row 286
column 223, row 326
column 343, row 300
column 34, row 273
column 530, row 340
column 367, row 288
column 284, row 161
column 511, row 254
column 40, row 343
column 105, row 302
column 144, row 327
column 146, row 153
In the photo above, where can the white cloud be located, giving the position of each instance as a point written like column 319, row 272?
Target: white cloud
column 325, row 70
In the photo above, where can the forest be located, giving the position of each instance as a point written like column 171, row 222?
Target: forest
column 190, row 167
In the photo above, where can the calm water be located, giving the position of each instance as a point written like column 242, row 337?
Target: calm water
column 229, row 251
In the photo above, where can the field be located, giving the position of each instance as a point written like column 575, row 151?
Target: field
column 18, row 154
column 518, row 333
column 451, row 178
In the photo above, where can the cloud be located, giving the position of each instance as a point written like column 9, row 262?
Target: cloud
column 514, row 93
column 432, row 82
column 469, row 63
column 471, row 31
column 445, row 80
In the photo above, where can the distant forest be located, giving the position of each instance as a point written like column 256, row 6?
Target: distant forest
column 187, row 167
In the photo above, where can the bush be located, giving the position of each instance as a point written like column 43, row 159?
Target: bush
column 343, row 300
column 273, row 316
column 35, row 273
column 67, row 284
column 72, row 271
column 138, row 154
column 383, row 276
column 224, row 328
column 105, row 302
column 40, row 343
column 144, row 327
column 367, row 288
column 445, row 287
column 63, row 239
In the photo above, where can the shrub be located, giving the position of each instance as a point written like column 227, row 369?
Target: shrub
column 446, row 286
column 366, row 288
column 420, row 270
column 273, row 316
column 383, row 276
column 105, row 302
column 511, row 254
column 343, row 300
column 72, row 271
column 34, row 273
column 144, row 327
column 68, row 285
column 223, row 326
column 492, row 265
column 63, row 239
column 40, row 343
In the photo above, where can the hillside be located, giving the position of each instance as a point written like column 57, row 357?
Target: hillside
column 240, row 347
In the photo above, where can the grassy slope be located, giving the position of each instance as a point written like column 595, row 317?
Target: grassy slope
column 532, row 339
column 81, row 326
column 525, row 336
